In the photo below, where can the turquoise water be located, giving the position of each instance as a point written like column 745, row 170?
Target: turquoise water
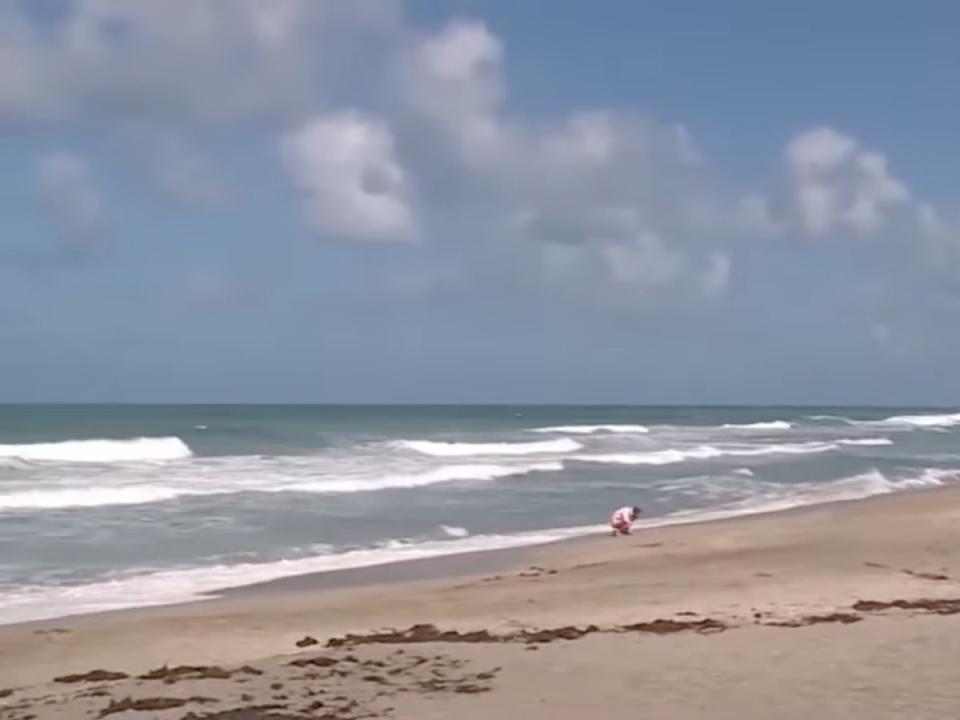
column 116, row 506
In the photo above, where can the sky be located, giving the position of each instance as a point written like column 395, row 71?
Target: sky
column 727, row 202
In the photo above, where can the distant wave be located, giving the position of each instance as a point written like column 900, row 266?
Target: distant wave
column 590, row 429
column 454, row 531
column 866, row 442
column 105, row 495
column 100, row 451
column 773, row 425
column 708, row 452
column 37, row 602
column 446, row 473
column 87, row 497
column 924, row 421
column 455, row 449
column 943, row 420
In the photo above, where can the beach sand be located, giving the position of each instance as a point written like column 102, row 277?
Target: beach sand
column 850, row 610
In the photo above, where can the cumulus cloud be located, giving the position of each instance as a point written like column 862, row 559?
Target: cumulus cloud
column 836, row 185
column 596, row 202
column 69, row 195
column 203, row 61
column 453, row 79
column 353, row 185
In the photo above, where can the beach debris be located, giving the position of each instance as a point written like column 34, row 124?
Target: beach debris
column 92, row 676
column 842, row 618
column 665, row 627
column 307, row 641
column 254, row 712
column 471, row 689
column 939, row 606
column 170, row 675
column 414, row 634
column 925, row 575
column 319, row 661
column 424, row 633
column 146, row 704
column 5, row 692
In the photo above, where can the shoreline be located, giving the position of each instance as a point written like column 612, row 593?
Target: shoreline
column 478, row 562
column 842, row 595
column 443, row 566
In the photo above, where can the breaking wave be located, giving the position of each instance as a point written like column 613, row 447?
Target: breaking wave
column 36, row 602
column 709, row 452
column 455, row 449
column 924, row 421
column 105, row 495
column 100, row 451
column 773, row 425
column 591, row 429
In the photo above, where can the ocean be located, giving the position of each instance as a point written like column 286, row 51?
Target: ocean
column 114, row 506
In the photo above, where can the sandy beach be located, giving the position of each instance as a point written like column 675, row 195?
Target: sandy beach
column 849, row 610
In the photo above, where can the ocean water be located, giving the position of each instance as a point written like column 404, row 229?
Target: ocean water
column 105, row 507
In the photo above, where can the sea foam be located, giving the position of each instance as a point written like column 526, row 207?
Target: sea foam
column 772, row 425
column 106, row 495
column 37, row 602
column 591, row 429
column 464, row 449
column 709, row 452
column 100, row 451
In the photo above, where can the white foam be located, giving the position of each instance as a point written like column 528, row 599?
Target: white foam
column 744, row 472
column 453, row 531
column 100, row 451
column 773, row 425
column 182, row 585
column 447, row 473
column 106, row 495
column 37, row 602
column 924, row 421
column 86, row 497
column 709, row 452
column 455, row 449
column 591, row 429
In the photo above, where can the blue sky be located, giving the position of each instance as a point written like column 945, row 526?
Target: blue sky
column 726, row 202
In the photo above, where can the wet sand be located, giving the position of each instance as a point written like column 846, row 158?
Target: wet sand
column 843, row 611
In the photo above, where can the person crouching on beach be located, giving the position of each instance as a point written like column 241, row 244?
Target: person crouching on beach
column 621, row 522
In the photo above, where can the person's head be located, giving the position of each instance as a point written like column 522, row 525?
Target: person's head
column 636, row 511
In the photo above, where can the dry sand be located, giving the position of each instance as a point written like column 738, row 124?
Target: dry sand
column 843, row 611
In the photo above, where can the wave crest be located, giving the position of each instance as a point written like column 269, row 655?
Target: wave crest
column 709, row 452
column 591, row 429
column 772, row 425
column 923, row 421
column 100, row 451
column 105, row 495
column 462, row 449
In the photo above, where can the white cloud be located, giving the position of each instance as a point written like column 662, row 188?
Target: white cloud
column 353, row 185
column 453, row 79
column 69, row 195
column 837, row 186
column 598, row 201
column 202, row 61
